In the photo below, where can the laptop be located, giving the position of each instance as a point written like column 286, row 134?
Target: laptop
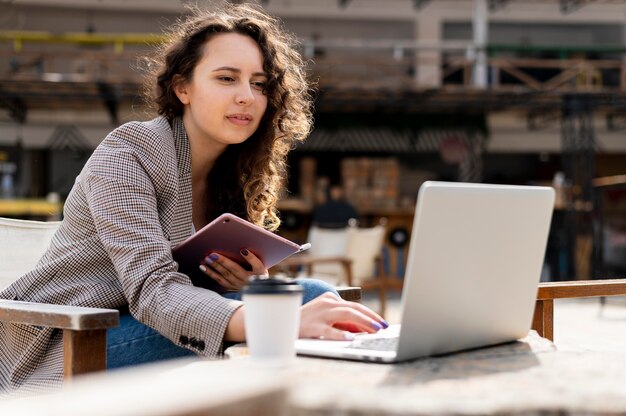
column 474, row 263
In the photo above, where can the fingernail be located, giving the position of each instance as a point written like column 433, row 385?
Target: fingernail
column 377, row 326
column 211, row 258
column 385, row 324
column 244, row 252
column 348, row 336
column 203, row 268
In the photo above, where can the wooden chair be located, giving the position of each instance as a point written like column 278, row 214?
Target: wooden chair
column 84, row 329
column 23, row 243
column 365, row 248
column 352, row 253
column 325, row 259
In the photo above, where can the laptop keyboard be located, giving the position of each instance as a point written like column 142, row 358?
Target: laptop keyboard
column 378, row 344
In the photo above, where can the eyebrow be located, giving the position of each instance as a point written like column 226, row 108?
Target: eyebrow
column 238, row 71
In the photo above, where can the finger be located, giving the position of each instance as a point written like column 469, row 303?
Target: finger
column 258, row 267
column 223, row 266
column 213, row 274
column 229, row 269
column 348, row 313
column 331, row 333
column 361, row 308
column 347, row 326
column 368, row 312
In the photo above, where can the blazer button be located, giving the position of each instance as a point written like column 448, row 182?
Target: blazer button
column 183, row 340
column 201, row 345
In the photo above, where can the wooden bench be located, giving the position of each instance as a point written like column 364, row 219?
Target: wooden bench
column 543, row 320
column 84, row 330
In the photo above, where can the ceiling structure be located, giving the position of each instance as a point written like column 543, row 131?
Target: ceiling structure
column 26, row 83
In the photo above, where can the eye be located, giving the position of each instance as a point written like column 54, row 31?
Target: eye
column 259, row 85
column 226, row 78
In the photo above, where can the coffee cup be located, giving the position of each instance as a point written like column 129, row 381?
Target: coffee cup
column 272, row 317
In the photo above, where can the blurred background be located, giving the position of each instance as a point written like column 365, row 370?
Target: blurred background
column 496, row 91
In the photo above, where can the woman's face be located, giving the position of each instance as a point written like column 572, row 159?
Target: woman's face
column 224, row 101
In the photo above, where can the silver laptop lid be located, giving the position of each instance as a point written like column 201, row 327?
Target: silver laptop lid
column 475, row 260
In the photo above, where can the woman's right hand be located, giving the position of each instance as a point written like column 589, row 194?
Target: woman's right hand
column 330, row 317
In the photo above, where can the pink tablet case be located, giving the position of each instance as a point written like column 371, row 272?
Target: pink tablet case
column 227, row 235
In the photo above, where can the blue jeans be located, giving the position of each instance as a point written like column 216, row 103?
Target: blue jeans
column 312, row 289
column 134, row 343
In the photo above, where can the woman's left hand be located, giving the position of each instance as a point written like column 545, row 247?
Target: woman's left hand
column 229, row 274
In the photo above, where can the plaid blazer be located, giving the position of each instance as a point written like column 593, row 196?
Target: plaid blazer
column 130, row 204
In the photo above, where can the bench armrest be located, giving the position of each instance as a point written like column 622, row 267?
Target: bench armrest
column 58, row 316
column 581, row 289
column 543, row 319
column 351, row 293
column 84, row 330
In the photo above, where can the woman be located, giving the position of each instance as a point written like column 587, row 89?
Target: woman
column 232, row 100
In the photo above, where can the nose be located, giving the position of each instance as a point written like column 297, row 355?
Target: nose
column 245, row 95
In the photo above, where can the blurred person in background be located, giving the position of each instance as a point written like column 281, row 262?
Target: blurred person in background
column 335, row 212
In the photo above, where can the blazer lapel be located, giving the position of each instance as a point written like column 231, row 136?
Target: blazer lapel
column 181, row 227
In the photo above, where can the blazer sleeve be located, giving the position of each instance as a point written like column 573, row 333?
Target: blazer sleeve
column 123, row 203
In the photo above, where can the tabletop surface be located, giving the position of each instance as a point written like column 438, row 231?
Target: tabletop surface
column 530, row 375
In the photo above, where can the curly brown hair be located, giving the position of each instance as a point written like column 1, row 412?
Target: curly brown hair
column 247, row 178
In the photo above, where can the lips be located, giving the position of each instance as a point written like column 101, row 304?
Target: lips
column 240, row 119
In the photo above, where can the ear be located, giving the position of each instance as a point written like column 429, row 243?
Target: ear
column 180, row 89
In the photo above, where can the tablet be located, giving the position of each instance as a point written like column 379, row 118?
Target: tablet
column 227, row 235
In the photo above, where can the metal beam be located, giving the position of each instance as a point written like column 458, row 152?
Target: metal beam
column 578, row 147
column 480, row 28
